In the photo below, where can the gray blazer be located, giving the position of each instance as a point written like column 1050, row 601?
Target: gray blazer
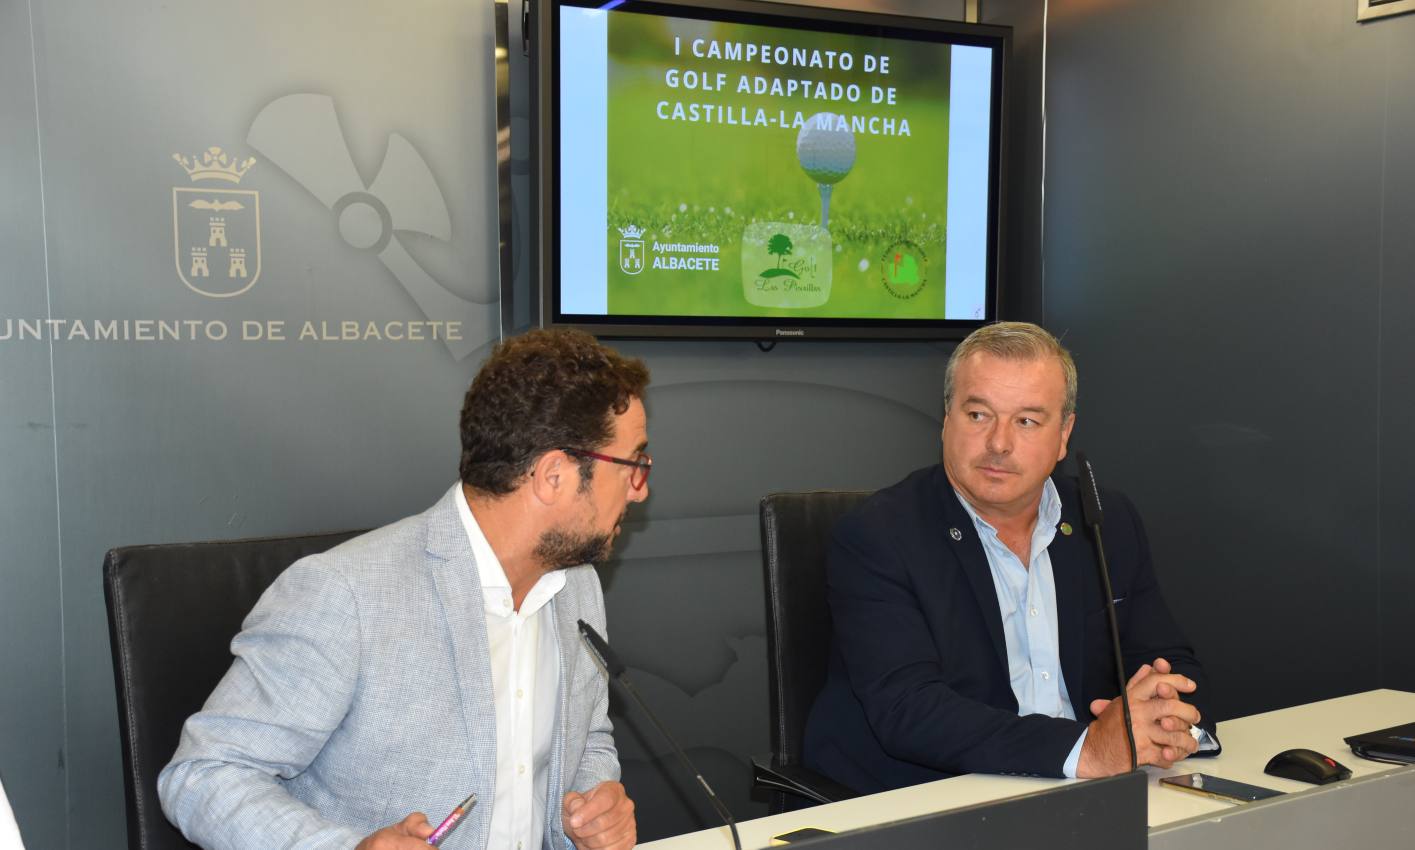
column 361, row 691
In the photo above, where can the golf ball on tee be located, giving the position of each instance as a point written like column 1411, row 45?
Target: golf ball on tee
column 826, row 148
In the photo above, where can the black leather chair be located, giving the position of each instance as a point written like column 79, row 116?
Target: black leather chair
column 795, row 533
column 172, row 611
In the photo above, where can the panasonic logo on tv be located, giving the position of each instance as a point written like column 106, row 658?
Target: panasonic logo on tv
column 790, row 332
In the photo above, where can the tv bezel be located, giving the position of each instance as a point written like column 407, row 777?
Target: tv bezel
column 545, row 190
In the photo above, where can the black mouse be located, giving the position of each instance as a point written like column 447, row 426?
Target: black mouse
column 1307, row 766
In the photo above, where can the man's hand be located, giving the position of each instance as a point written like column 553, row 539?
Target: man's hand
column 409, row 833
column 1161, row 721
column 602, row 819
column 1163, row 689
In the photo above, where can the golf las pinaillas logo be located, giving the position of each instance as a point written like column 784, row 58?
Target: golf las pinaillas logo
column 779, row 245
column 631, row 249
column 216, row 232
column 788, row 264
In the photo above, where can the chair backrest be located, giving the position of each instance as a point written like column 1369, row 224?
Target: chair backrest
column 795, row 535
column 172, row 611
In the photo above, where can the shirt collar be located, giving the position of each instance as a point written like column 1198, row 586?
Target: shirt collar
column 1048, row 510
column 489, row 570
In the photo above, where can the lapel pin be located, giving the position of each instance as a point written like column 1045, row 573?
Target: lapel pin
column 955, row 534
column 1066, row 529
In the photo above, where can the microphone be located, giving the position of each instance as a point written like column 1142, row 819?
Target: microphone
column 1091, row 511
column 599, row 648
column 606, row 657
column 1092, row 514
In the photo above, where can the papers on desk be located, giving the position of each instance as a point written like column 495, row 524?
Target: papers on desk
column 9, row 830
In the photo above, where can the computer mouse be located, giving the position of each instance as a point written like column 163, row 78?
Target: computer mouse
column 1307, row 766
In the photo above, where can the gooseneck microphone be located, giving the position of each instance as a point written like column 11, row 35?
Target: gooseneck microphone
column 599, row 648
column 1092, row 514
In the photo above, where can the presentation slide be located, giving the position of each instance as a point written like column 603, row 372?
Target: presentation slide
column 727, row 169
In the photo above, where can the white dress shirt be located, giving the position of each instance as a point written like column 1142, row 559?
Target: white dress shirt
column 525, row 684
column 1026, row 599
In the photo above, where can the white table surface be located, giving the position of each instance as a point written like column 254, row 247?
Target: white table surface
column 1248, row 743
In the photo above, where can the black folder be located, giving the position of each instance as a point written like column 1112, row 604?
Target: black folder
column 1395, row 745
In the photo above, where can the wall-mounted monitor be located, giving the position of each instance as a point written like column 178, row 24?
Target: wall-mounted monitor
column 765, row 171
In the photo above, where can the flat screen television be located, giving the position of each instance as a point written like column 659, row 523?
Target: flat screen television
column 766, row 171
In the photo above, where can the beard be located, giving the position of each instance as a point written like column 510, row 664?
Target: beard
column 561, row 548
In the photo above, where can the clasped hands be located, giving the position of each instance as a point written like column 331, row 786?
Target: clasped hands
column 602, row 818
column 1161, row 720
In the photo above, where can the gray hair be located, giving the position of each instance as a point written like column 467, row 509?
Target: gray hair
column 1012, row 341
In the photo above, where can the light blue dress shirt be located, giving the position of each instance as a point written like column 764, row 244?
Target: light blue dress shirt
column 1026, row 598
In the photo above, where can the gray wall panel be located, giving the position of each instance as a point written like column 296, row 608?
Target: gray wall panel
column 32, row 755
column 1396, row 468
column 1213, row 234
column 1021, row 296
column 196, row 439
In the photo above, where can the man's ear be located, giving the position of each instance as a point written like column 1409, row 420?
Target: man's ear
column 1066, row 429
column 553, row 475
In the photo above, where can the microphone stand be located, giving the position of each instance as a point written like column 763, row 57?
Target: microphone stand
column 1091, row 510
column 617, row 672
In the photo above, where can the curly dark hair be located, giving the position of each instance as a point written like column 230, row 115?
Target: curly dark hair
column 544, row 390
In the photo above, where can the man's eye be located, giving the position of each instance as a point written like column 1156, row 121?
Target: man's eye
column 1026, row 422
column 976, row 415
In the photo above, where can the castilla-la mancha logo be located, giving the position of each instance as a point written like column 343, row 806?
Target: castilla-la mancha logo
column 216, row 232
column 631, row 249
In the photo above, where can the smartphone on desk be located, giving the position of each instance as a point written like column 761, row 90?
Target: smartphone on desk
column 1217, row 786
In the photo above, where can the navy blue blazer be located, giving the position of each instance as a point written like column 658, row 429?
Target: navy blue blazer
column 918, row 688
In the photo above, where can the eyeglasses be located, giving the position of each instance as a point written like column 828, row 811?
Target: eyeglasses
column 641, row 463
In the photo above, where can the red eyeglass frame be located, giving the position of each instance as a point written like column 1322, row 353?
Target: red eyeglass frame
column 637, row 479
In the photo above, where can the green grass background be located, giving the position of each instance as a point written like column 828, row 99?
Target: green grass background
column 697, row 182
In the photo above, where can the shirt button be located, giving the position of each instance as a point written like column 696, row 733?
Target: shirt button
column 1046, row 677
column 1034, row 612
column 520, row 768
column 520, row 693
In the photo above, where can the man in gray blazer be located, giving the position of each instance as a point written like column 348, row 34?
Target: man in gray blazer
column 438, row 656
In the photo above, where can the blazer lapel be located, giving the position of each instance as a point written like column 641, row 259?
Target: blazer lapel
column 960, row 536
column 454, row 571
column 562, row 633
column 1072, row 565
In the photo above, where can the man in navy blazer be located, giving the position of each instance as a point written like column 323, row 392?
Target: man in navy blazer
column 969, row 625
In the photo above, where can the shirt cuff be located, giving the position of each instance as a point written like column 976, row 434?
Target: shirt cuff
column 1068, row 769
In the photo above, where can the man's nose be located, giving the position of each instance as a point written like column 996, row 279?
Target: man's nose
column 1000, row 438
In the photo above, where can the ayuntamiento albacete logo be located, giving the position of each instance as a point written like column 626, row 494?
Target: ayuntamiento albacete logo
column 216, row 232
column 631, row 249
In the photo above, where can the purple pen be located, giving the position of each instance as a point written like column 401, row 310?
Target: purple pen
column 450, row 823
